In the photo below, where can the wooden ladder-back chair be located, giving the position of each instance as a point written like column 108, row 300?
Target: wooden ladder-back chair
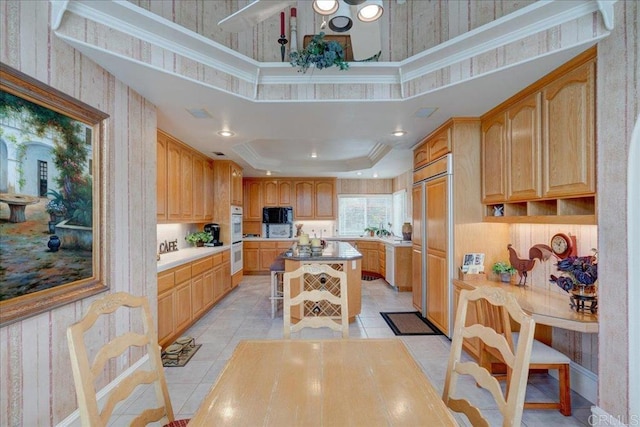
column 543, row 357
column 319, row 306
column 85, row 371
column 517, row 362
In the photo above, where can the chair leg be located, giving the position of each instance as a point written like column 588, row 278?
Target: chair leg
column 565, row 390
column 274, row 287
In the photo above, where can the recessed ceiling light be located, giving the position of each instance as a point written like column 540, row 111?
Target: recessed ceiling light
column 358, row 173
column 399, row 133
column 268, row 173
column 225, row 133
column 314, row 155
column 375, row 175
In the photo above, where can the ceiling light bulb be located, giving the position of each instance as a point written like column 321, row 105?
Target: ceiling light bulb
column 371, row 11
column 268, row 173
column 375, row 175
column 399, row 133
column 358, row 173
column 325, row 7
column 225, row 133
column 314, row 155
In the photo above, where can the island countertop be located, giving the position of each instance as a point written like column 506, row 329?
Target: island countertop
column 333, row 251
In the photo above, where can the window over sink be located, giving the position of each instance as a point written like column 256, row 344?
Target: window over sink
column 357, row 212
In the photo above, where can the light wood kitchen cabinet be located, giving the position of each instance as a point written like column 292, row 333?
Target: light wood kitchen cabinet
column 236, row 185
column 285, row 188
column 253, row 200
column 325, row 195
column 569, row 133
column 523, row 149
column 174, row 183
column 259, row 255
column 382, row 259
column 546, row 133
column 369, row 251
column 494, row 159
column 445, row 204
column 162, row 181
column 187, row 292
column 209, row 191
column 199, row 165
column 304, row 200
column 185, row 183
column 436, row 247
column 311, row 199
column 432, row 149
column 270, row 193
column 251, row 257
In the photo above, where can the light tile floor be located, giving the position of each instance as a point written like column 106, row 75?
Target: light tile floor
column 246, row 314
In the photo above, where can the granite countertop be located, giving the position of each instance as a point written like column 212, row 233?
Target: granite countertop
column 333, row 251
column 392, row 241
column 174, row 259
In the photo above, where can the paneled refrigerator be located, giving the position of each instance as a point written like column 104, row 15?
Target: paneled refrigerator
column 432, row 254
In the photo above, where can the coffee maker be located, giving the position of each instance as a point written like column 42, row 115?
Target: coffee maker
column 214, row 229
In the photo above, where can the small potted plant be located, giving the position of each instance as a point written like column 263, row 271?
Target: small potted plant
column 56, row 210
column 504, row 270
column 199, row 238
column 371, row 231
column 320, row 53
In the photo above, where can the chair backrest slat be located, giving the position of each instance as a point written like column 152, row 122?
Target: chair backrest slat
column 85, row 372
column 498, row 307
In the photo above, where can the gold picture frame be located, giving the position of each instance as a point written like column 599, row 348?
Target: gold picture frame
column 38, row 121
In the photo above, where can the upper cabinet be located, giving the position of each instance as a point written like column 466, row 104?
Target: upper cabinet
column 569, row 133
column 311, row 198
column 538, row 150
column 184, row 182
column 437, row 146
column 304, row 200
column 236, row 185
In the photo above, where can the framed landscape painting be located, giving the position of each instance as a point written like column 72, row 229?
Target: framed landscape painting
column 51, row 201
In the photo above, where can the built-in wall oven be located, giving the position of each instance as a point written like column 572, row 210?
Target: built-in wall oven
column 236, row 239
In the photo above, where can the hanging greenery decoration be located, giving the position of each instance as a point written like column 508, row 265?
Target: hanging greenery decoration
column 320, row 53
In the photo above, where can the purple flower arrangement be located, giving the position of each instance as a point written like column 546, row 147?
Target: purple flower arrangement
column 577, row 271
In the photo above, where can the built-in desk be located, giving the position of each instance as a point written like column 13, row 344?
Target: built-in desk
column 546, row 307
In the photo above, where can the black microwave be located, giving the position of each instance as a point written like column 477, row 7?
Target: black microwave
column 278, row 215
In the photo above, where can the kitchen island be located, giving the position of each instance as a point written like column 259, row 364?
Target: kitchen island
column 340, row 256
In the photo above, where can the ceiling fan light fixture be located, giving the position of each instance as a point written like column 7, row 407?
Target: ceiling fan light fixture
column 353, row 2
column 325, row 7
column 370, row 12
column 342, row 21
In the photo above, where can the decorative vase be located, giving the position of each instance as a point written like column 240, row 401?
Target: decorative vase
column 505, row 277
column 406, row 231
column 54, row 243
column 52, row 227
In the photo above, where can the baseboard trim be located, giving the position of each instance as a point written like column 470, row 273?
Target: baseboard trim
column 583, row 381
column 74, row 418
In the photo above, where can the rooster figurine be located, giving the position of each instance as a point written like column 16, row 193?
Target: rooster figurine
column 539, row 251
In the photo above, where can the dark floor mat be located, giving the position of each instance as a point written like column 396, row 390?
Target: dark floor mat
column 409, row 323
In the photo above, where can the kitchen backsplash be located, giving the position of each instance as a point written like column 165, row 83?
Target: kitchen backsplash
column 319, row 228
column 171, row 232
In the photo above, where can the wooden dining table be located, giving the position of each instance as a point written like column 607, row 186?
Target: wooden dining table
column 351, row 382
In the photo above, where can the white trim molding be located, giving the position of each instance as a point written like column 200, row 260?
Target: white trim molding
column 166, row 36
column 633, row 242
column 583, row 381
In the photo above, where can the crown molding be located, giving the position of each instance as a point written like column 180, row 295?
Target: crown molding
column 151, row 29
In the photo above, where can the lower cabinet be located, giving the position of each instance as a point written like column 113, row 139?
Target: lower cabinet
column 187, row 292
column 259, row 255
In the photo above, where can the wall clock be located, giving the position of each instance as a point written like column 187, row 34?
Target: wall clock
column 563, row 245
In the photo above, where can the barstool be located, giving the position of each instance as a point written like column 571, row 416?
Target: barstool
column 277, row 270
